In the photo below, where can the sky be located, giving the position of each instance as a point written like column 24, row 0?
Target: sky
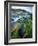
column 29, row 9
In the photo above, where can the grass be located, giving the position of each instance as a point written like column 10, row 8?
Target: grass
column 22, row 28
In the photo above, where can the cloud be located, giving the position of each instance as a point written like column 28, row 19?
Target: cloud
column 22, row 7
